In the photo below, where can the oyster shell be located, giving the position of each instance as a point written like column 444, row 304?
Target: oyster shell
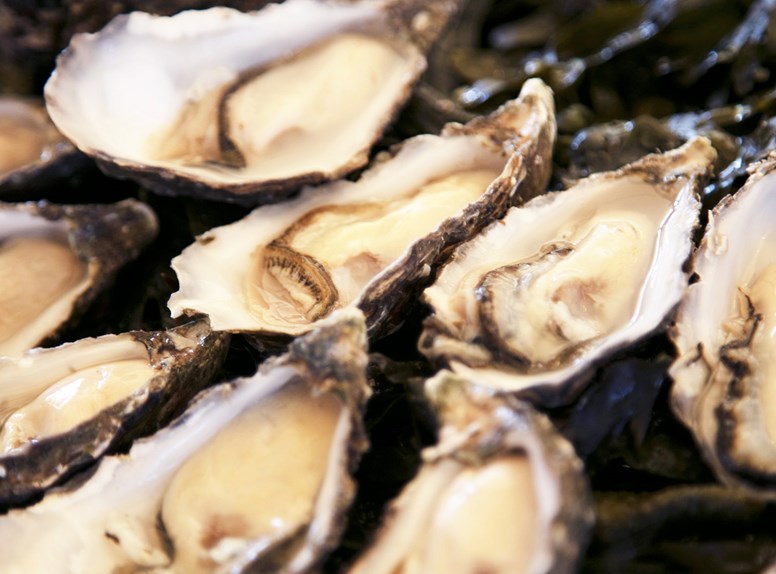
column 541, row 297
column 724, row 372
column 502, row 492
column 55, row 259
column 374, row 242
column 228, row 105
column 32, row 152
column 254, row 476
column 62, row 408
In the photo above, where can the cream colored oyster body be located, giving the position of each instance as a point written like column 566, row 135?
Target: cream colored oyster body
column 242, row 107
column 538, row 299
column 374, row 242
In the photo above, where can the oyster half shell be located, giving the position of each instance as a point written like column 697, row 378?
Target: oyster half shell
column 372, row 243
column 55, row 259
column 502, row 492
column 64, row 407
column 725, row 375
column 242, row 107
column 32, row 151
column 541, row 297
column 254, row 476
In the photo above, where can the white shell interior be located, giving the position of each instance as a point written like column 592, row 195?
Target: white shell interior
column 113, row 93
column 738, row 248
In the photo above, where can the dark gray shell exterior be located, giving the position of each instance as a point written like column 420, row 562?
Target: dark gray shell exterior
column 187, row 358
column 104, row 236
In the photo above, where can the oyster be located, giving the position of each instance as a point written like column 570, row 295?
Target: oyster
column 502, row 492
column 371, row 243
column 242, row 107
column 254, row 476
column 55, row 259
column 724, row 373
column 538, row 299
column 64, row 407
column 32, row 151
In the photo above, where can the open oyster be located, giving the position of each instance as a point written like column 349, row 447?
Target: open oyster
column 32, row 151
column 535, row 301
column 254, row 476
column 724, row 375
column 371, row 243
column 55, row 259
column 501, row 493
column 64, row 407
column 242, row 107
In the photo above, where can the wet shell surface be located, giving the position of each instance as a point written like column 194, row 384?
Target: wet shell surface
column 242, row 107
column 62, row 408
column 55, row 259
column 724, row 375
column 540, row 298
column 502, row 492
column 375, row 242
column 253, row 477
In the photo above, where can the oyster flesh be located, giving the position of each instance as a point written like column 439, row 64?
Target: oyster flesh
column 724, row 375
column 55, row 259
column 541, row 297
column 502, row 492
column 242, row 107
column 374, row 242
column 62, row 408
column 254, row 476
column 32, row 151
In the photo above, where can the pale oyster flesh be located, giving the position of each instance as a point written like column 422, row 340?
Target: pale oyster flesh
column 254, row 475
column 55, row 259
column 570, row 277
column 62, row 408
column 26, row 134
column 724, row 335
column 372, row 242
column 502, row 492
column 242, row 107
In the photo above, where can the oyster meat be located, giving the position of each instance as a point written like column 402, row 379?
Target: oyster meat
column 64, row 407
column 538, row 299
column 724, row 375
column 502, row 492
column 55, row 259
column 32, row 151
column 374, row 242
column 242, row 107
column 254, row 476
